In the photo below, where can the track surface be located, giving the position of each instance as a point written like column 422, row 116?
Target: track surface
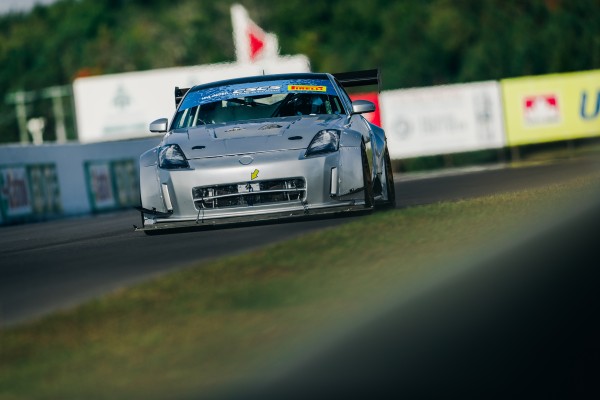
column 48, row 266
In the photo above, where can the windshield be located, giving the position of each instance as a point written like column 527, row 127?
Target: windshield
column 257, row 100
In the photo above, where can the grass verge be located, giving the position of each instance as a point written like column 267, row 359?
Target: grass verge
column 540, row 152
column 239, row 318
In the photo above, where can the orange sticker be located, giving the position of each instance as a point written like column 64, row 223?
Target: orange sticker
column 306, row 88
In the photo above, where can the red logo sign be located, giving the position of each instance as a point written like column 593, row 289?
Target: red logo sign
column 373, row 97
column 541, row 109
column 257, row 40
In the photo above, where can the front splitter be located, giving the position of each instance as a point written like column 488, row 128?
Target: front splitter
column 163, row 224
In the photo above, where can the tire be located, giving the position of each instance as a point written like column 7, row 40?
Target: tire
column 389, row 181
column 367, row 181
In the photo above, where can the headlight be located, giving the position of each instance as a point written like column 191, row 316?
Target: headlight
column 325, row 141
column 171, row 157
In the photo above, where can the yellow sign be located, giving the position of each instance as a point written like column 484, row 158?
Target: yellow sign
column 554, row 107
column 306, row 88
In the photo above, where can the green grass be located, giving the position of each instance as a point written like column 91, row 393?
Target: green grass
column 242, row 318
column 540, row 152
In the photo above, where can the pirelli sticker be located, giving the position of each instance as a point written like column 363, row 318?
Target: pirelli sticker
column 306, row 88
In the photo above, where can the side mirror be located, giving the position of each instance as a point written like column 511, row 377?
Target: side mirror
column 362, row 106
column 159, row 126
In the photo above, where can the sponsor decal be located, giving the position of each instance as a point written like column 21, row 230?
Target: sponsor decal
column 218, row 95
column 210, row 95
column 259, row 89
column 306, row 88
column 541, row 110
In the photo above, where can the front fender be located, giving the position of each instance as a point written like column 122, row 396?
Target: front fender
column 350, row 138
column 350, row 175
column 378, row 149
column 150, row 189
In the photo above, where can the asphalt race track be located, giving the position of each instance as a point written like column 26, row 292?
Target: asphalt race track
column 52, row 265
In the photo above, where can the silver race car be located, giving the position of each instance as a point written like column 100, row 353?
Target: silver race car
column 265, row 147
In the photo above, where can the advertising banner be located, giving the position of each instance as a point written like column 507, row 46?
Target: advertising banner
column 29, row 191
column 14, row 189
column 442, row 119
column 121, row 106
column 45, row 189
column 112, row 184
column 554, row 107
column 126, row 182
column 100, row 185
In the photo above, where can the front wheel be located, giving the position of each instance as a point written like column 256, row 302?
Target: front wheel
column 389, row 181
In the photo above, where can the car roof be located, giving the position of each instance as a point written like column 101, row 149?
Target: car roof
column 261, row 78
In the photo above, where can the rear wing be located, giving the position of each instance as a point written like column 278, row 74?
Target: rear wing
column 360, row 78
column 179, row 93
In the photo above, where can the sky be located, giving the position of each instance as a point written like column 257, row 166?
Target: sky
column 7, row 6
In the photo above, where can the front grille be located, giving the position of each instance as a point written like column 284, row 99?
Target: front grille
column 249, row 193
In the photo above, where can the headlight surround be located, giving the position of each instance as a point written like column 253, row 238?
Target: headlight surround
column 171, row 157
column 325, row 141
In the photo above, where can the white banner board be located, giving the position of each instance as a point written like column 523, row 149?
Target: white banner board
column 443, row 119
column 121, row 106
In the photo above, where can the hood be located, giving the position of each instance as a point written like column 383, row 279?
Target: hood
column 244, row 137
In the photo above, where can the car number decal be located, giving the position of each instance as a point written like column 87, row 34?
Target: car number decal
column 248, row 187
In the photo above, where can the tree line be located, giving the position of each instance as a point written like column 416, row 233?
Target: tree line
column 414, row 42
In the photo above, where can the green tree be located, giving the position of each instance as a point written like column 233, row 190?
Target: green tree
column 415, row 43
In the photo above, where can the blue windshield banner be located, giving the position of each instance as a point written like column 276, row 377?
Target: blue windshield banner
column 226, row 92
